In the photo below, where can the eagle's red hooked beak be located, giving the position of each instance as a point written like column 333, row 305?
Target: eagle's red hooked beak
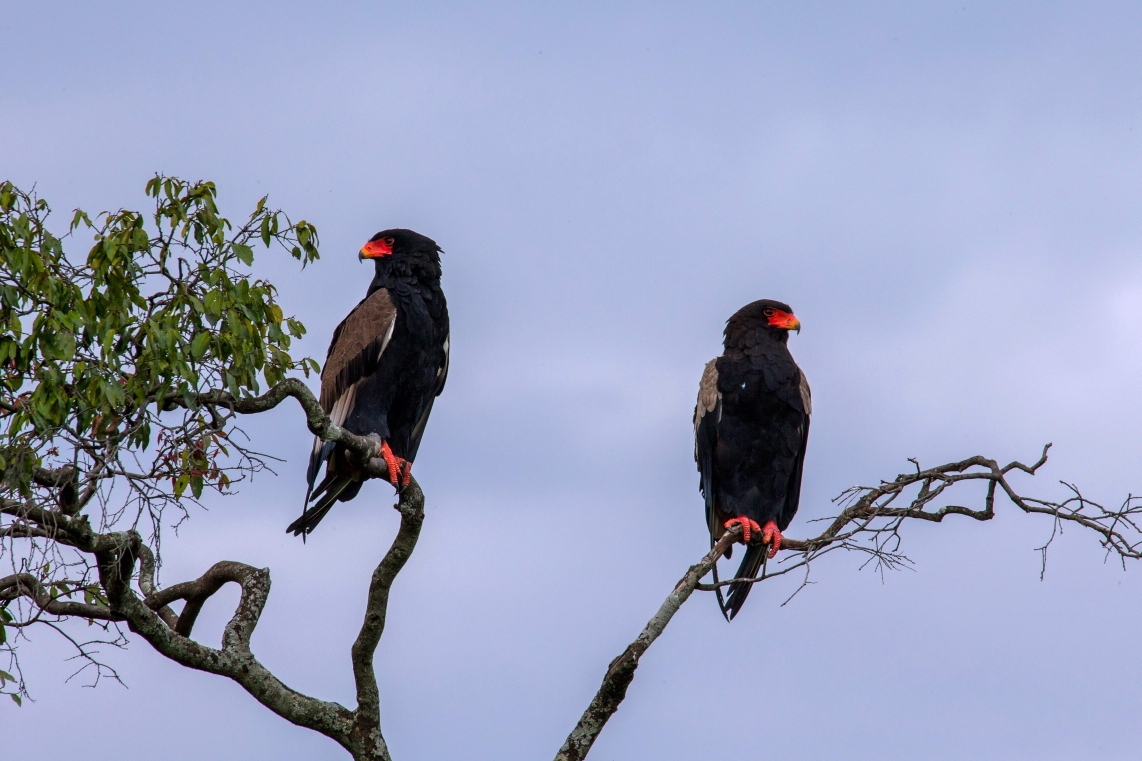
column 784, row 320
column 375, row 249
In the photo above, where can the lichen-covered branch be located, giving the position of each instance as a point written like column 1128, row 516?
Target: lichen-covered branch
column 370, row 743
column 621, row 671
column 121, row 556
column 358, row 731
column 234, row 659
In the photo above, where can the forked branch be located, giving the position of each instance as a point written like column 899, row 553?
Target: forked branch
column 358, row 731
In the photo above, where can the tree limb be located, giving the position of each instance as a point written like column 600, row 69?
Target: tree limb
column 197, row 592
column 147, row 586
column 235, row 659
column 366, row 449
column 870, row 515
column 367, row 725
column 27, row 585
column 621, row 671
column 357, row 731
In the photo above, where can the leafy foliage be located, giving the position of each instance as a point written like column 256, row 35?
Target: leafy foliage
column 104, row 359
column 95, row 348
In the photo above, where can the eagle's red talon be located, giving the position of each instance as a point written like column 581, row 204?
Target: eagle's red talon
column 771, row 535
column 748, row 527
column 398, row 467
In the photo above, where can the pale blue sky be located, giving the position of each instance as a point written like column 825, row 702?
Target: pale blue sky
column 948, row 194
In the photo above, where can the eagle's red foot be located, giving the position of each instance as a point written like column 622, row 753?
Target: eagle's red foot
column 771, row 535
column 400, row 470
column 748, row 527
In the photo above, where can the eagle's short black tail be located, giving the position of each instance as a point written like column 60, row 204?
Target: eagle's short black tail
column 750, row 567
column 718, row 592
column 328, row 492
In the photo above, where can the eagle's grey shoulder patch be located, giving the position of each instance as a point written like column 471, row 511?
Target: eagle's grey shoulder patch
column 806, row 396
column 708, row 394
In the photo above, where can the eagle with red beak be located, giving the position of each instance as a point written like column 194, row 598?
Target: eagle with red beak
column 751, row 427
column 387, row 363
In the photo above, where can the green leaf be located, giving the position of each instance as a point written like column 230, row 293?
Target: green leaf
column 16, row 699
column 80, row 216
column 199, row 344
column 244, row 253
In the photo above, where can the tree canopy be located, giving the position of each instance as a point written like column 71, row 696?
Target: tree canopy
column 104, row 358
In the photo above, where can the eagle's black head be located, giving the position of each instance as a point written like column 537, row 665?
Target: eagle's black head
column 766, row 317
column 403, row 252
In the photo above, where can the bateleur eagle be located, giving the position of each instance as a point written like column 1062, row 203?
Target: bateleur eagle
column 387, row 362
column 751, row 427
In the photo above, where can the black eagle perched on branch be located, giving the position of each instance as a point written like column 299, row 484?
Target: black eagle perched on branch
column 387, row 362
column 751, row 427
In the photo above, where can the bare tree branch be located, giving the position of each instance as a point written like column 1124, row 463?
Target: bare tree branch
column 869, row 524
column 367, row 724
column 197, row 592
column 366, row 449
column 621, row 671
column 234, row 660
column 27, row 585
column 357, row 731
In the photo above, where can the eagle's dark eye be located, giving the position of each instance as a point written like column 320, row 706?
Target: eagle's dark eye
column 769, row 311
column 390, row 240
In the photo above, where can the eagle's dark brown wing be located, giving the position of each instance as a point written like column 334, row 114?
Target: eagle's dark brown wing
column 356, row 347
column 354, row 352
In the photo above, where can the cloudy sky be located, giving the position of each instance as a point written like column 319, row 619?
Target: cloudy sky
column 947, row 193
